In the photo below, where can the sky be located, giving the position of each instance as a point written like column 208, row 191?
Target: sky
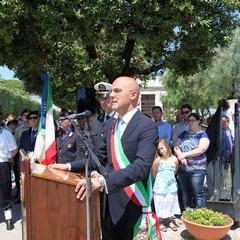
column 7, row 74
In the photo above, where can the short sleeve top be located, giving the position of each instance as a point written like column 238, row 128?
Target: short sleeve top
column 189, row 142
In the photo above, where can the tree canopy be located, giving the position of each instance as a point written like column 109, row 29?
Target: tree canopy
column 82, row 42
column 14, row 99
column 205, row 88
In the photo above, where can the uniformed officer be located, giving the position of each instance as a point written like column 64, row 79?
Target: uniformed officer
column 99, row 123
column 68, row 141
column 99, row 126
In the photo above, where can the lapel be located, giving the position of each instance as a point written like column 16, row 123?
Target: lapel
column 29, row 136
column 132, row 125
column 134, row 122
column 100, row 117
column 100, row 123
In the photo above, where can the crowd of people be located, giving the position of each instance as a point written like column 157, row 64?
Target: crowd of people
column 130, row 146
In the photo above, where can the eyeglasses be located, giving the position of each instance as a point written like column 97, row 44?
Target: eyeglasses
column 186, row 112
column 36, row 117
column 191, row 120
column 117, row 90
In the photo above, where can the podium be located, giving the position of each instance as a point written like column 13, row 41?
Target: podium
column 50, row 210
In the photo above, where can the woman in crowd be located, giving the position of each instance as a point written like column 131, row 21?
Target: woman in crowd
column 164, row 168
column 191, row 149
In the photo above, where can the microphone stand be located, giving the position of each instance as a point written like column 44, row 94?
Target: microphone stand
column 89, row 154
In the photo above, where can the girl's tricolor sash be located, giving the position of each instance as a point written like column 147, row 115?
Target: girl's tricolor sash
column 147, row 227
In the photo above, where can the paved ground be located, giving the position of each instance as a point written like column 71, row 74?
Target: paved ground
column 16, row 233
column 181, row 234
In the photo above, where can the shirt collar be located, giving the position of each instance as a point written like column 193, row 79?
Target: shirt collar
column 128, row 116
column 110, row 114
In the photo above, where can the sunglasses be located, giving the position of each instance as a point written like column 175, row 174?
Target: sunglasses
column 186, row 112
column 30, row 118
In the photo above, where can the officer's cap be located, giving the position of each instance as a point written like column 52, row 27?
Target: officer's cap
column 33, row 114
column 64, row 113
column 103, row 89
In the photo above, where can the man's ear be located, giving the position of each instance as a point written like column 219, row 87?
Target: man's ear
column 133, row 94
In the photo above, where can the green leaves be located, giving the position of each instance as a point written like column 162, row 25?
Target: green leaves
column 82, row 42
column 205, row 88
column 13, row 98
column 206, row 216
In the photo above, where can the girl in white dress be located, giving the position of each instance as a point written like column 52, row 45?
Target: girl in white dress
column 165, row 195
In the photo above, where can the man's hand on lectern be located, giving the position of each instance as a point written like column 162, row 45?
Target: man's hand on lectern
column 80, row 189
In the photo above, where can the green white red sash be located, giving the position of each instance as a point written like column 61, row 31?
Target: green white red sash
column 147, row 227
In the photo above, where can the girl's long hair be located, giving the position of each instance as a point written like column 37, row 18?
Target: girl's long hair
column 166, row 145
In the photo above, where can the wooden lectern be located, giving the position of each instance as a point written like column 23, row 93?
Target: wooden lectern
column 50, row 210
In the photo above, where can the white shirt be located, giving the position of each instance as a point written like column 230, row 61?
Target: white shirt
column 7, row 144
column 125, row 119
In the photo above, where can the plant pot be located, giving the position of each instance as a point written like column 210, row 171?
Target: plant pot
column 204, row 232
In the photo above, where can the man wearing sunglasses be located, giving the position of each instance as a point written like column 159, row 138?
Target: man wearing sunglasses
column 28, row 137
column 179, row 127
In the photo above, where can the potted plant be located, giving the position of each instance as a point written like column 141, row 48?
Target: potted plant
column 206, row 224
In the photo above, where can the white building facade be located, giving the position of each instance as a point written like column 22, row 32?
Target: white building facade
column 150, row 95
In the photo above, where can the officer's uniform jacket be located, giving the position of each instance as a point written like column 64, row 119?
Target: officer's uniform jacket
column 69, row 147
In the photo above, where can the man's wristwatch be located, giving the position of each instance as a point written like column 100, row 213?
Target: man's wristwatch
column 101, row 180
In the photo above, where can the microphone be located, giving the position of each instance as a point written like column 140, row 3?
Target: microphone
column 75, row 115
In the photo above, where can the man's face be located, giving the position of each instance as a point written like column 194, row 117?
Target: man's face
column 124, row 95
column 157, row 114
column 106, row 104
column 24, row 117
column 185, row 113
column 13, row 127
column 34, row 121
column 81, row 121
column 121, row 97
column 225, row 122
column 64, row 124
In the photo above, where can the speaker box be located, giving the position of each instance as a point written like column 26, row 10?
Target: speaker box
column 86, row 100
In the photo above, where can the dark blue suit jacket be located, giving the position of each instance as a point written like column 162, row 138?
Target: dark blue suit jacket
column 99, row 130
column 25, row 141
column 70, row 149
column 139, row 144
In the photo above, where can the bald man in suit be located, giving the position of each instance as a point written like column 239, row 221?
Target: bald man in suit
column 138, row 136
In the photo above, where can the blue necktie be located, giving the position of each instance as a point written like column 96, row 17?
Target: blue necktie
column 33, row 136
column 63, row 134
column 121, row 126
column 106, row 119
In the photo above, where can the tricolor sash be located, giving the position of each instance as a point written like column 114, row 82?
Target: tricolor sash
column 147, row 226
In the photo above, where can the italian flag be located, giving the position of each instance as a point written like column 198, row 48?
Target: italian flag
column 45, row 147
